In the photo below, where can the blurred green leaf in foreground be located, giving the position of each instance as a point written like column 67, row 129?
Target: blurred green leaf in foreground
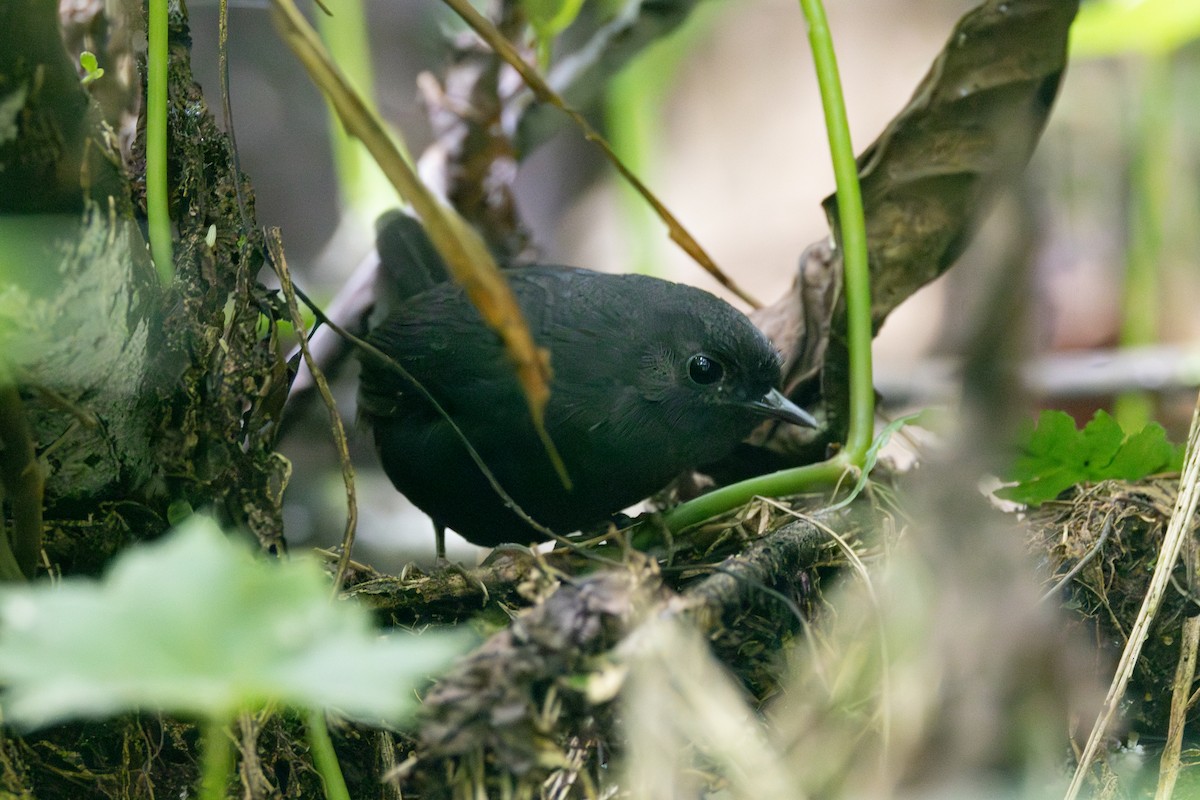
column 195, row 625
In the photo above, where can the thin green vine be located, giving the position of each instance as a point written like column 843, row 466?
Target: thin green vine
column 158, row 212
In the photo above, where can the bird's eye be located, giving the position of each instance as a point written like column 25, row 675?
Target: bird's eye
column 705, row 370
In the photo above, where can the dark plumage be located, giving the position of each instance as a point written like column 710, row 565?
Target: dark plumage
column 651, row 378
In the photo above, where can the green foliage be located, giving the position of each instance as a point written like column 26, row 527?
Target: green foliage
column 549, row 18
column 195, row 625
column 1117, row 27
column 1056, row 456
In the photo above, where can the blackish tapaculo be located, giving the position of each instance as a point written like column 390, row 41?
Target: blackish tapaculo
column 650, row 378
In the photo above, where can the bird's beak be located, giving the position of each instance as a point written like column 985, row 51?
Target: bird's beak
column 774, row 404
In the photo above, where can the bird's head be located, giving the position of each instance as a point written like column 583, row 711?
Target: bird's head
column 712, row 374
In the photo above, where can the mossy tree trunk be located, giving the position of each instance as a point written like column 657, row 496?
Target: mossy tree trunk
column 135, row 398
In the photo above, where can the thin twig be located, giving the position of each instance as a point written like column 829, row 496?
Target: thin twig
column 279, row 262
column 885, row 674
column 1185, row 673
column 1177, row 532
column 1083, row 562
column 537, row 84
column 227, row 112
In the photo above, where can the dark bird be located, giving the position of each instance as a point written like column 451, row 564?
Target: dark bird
column 650, row 378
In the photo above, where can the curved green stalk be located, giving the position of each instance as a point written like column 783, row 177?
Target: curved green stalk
column 854, row 236
column 324, row 758
column 158, row 211
column 784, row 482
column 853, row 242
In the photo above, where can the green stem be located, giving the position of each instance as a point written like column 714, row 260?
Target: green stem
column 853, row 236
column 1150, row 181
column 158, row 212
column 324, row 757
column 363, row 188
column 216, row 765
column 857, row 281
column 777, row 484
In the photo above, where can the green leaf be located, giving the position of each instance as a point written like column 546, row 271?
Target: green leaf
column 179, row 511
column 1100, row 442
column 87, row 60
column 1055, row 431
column 1056, row 456
column 551, row 17
column 872, row 457
column 1143, row 453
column 194, row 624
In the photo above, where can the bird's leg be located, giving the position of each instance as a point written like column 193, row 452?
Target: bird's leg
column 439, row 535
column 443, row 563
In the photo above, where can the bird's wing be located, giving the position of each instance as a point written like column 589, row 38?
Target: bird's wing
column 439, row 338
column 585, row 320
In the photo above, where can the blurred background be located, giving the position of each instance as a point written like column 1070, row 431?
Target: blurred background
column 724, row 123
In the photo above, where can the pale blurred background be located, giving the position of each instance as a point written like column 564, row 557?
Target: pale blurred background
column 739, row 155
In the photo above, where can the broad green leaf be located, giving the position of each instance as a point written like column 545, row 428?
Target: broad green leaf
column 1055, row 432
column 1056, row 456
column 194, row 624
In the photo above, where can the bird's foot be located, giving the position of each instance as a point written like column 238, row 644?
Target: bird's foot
column 518, row 551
